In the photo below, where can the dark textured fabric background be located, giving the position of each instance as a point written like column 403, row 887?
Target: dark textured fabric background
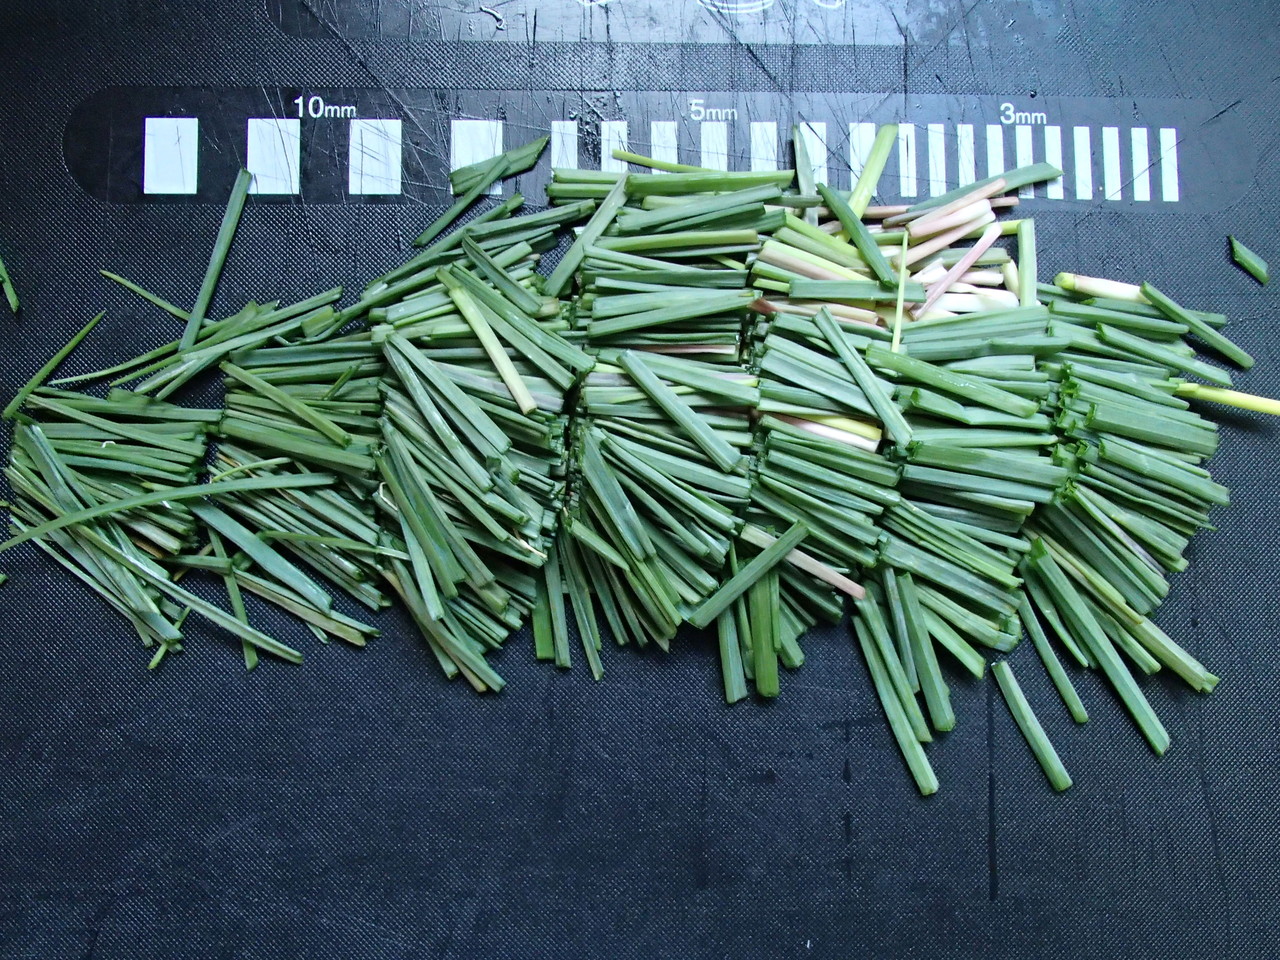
column 360, row 806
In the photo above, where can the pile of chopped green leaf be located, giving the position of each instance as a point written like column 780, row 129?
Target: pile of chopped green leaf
column 743, row 401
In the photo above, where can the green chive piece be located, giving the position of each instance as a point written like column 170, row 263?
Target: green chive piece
column 1162, row 355
column 518, row 160
column 1207, row 334
column 7, row 287
column 1027, row 263
column 1014, row 180
column 580, row 592
column 50, row 365
column 759, row 565
column 1027, row 722
column 1087, row 629
column 911, row 748
column 171, row 495
column 204, row 608
column 654, row 164
column 859, row 236
column 901, row 298
column 890, row 414
column 1249, row 261
column 221, row 247
column 470, row 311
column 763, row 613
column 290, row 404
column 937, row 697
column 872, row 168
column 708, row 440
column 491, row 171
column 147, row 295
column 1052, row 665
column 594, row 229
column 250, row 652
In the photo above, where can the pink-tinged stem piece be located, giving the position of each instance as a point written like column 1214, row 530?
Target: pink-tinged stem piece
column 883, row 213
column 797, row 265
column 919, row 229
column 989, row 236
column 943, row 240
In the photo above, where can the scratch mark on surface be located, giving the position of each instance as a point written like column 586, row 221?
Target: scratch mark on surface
column 1223, row 112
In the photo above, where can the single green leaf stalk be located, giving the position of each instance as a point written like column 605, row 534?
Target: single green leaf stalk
column 50, row 365
column 1245, row 258
column 221, row 247
column 1028, row 723
column 872, row 168
column 9, row 290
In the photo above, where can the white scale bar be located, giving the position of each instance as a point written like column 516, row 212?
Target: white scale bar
column 1083, row 163
column 1111, row 163
column 1053, row 190
column 1023, row 153
column 663, row 141
column 1141, row 163
column 564, row 144
column 1169, row 165
column 907, row 159
column 995, row 150
column 170, row 155
column 862, row 136
column 764, row 145
column 966, row 160
column 715, row 145
column 815, row 142
column 937, row 159
column 375, row 158
column 471, row 141
column 613, row 136
column 273, row 155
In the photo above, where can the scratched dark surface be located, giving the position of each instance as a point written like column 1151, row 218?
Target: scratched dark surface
column 359, row 806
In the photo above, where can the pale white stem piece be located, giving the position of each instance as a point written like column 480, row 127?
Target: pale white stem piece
column 977, row 303
column 984, row 278
column 832, row 433
column 1100, row 287
column 815, row 567
column 807, row 563
column 1010, row 271
column 930, row 274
